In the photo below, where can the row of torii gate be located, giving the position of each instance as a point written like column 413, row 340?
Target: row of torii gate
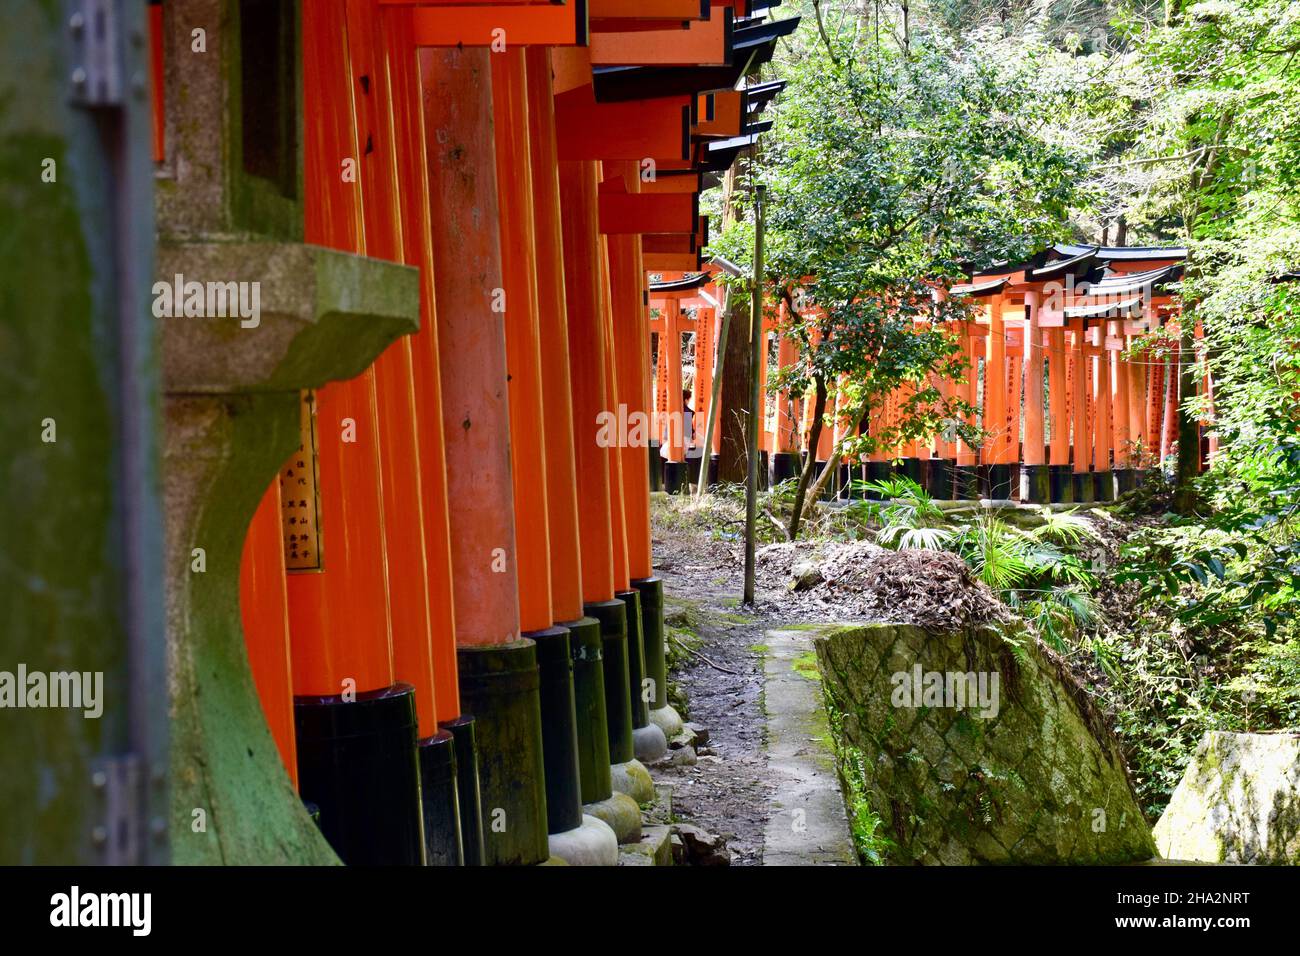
column 1070, row 411
column 448, row 602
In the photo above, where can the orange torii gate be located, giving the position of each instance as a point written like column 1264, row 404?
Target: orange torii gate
column 1057, row 364
column 1068, row 412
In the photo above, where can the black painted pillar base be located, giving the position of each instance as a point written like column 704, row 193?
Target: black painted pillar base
column 651, row 591
column 636, row 666
column 692, row 473
column 1105, row 484
column 674, row 476
column 1000, row 487
column 1125, row 480
column 785, row 465
column 612, row 616
column 357, row 761
column 441, row 803
column 914, row 469
column 1035, row 484
column 713, row 470
column 469, row 799
column 559, row 728
column 499, row 685
column 1062, row 484
column 586, row 650
column 939, row 478
column 1084, row 489
column 966, row 482
column 878, row 471
column 656, row 468
column 763, row 468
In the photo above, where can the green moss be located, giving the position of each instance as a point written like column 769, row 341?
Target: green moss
column 865, row 824
column 805, row 665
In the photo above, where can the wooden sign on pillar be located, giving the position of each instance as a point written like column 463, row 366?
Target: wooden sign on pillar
column 299, row 505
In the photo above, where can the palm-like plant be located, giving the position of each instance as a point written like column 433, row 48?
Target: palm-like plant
column 995, row 551
column 1057, row 613
column 908, row 515
column 1064, row 527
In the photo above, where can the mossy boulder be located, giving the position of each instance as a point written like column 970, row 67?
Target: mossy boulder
column 1238, row 802
column 975, row 746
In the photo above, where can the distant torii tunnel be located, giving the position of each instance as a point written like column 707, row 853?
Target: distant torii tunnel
column 1069, row 410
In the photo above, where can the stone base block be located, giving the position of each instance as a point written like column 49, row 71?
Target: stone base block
column 591, row 843
column 633, row 779
column 621, row 813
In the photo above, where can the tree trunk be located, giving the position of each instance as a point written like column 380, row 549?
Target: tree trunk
column 815, row 492
column 732, row 459
column 810, row 465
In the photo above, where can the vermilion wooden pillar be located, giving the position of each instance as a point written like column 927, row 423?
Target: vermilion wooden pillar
column 587, row 349
column 632, row 371
column 399, row 458
column 561, row 472
column 356, row 731
column 967, row 479
column 785, row 455
column 997, row 450
column 614, row 460
column 1103, row 426
column 1035, row 482
column 708, row 323
column 623, row 384
column 448, row 765
column 498, row 668
column 635, row 346
column 670, row 354
column 1122, row 441
column 1081, row 456
column 1058, row 379
column 528, row 434
column 523, row 350
column 417, row 250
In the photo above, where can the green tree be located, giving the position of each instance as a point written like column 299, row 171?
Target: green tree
column 890, row 167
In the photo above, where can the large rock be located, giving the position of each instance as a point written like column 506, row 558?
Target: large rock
column 1238, row 802
column 1009, row 764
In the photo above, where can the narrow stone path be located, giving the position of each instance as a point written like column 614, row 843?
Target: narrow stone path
column 807, row 824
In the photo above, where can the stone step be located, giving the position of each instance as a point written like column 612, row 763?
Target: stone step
column 654, row 849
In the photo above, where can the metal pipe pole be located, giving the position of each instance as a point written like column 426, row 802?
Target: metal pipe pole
column 755, row 398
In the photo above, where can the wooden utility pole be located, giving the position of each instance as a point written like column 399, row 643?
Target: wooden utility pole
column 755, row 406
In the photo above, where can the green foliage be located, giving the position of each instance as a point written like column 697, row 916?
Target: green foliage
column 890, row 166
column 865, row 825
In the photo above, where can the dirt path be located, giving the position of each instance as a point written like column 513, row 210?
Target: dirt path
column 728, row 792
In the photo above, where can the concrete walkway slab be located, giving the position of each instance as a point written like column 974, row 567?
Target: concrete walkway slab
column 807, row 824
